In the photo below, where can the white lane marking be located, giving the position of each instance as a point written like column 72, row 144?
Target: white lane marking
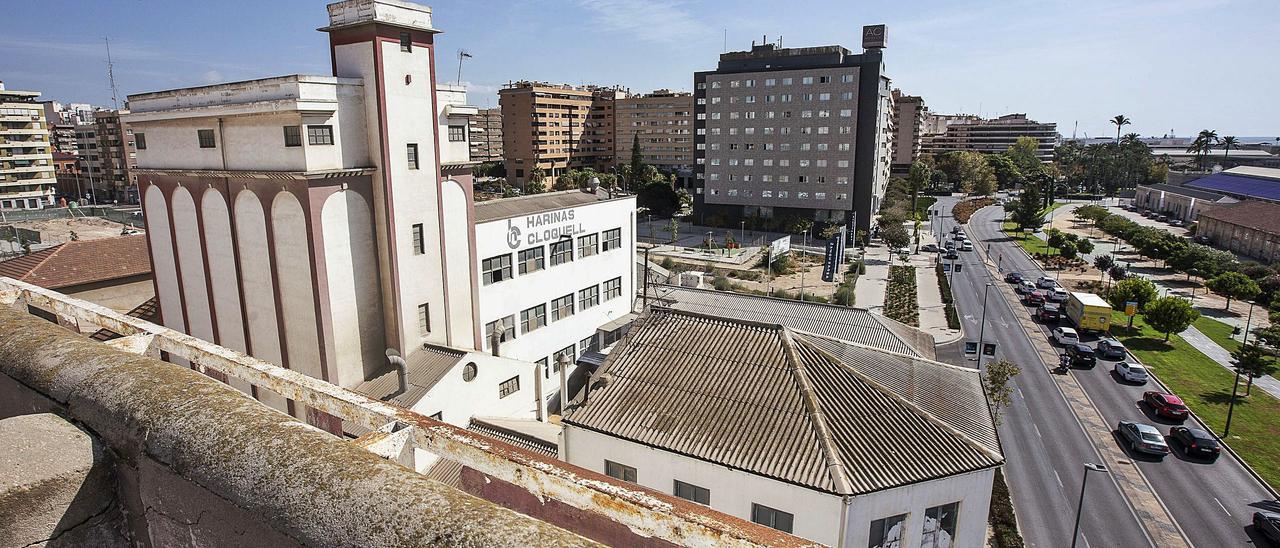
column 1224, row 508
column 1055, row 474
column 1033, row 425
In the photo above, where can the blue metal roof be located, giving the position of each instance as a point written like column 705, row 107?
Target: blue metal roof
column 1236, row 185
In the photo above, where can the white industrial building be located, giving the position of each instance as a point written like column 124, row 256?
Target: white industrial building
column 316, row 221
column 843, row 443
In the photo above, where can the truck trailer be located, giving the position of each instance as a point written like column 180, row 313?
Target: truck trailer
column 1088, row 312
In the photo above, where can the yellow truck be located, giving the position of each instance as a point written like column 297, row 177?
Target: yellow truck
column 1088, row 312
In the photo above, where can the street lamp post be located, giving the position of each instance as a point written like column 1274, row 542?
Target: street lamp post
column 742, row 232
column 1088, row 467
column 1247, row 323
column 1235, row 388
column 982, row 324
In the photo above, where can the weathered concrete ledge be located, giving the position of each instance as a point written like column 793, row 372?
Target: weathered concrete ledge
column 197, row 460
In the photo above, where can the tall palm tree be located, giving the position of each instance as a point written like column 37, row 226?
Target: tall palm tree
column 1207, row 139
column 1227, row 142
column 1120, row 121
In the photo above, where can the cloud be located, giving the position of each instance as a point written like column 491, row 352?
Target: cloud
column 664, row 22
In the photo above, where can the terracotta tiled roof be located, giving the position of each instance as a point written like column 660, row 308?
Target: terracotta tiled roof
column 1261, row 216
column 81, row 262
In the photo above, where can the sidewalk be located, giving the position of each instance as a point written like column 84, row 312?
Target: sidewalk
column 869, row 292
column 1219, row 354
column 933, row 316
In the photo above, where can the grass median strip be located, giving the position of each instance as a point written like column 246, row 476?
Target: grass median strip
column 900, row 301
column 1206, row 388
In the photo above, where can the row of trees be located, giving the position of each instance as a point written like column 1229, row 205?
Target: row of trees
column 1204, row 143
column 654, row 189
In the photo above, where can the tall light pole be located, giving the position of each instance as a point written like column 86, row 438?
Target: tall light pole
column 982, row 325
column 1088, row 467
column 1235, row 388
column 1247, row 323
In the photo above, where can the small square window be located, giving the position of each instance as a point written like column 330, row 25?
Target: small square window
column 588, row 245
column 320, row 135
column 561, row 252
column 533, row 318
column 619, row 471
column 140, row 141
column 689, row 491
column 562, row 307
column 412, row 150
column 457, row 133
column 588, row 297
column 292, row 136
column 613, row 288
column 206, row 138
column 406, row 42
column 505, row 327
column 532, row 260
column 770, row 517
column 509, row 387
column 495, row 269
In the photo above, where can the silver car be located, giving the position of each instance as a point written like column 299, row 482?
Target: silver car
column 1131, row 372
column 1143, row 438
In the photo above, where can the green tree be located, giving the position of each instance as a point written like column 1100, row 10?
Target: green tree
column 1083, row 245
column 895, row 236
column 1169, row 315
column 976, row 174
column 1253, row 361
column 1027, row 211
column 1006, row 172
column 995, row 381
column 673, row 227
column 659, row 197
column 537, row 183
column 1120, row 121
column 637, row 160
column 1234, row 285
column 1103, row 263
column 1133, row 289
column 917, row 179
column 1228, row 142
column 1025, row 154
column 798, row 225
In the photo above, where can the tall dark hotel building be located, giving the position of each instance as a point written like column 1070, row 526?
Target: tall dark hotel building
column 793, row 132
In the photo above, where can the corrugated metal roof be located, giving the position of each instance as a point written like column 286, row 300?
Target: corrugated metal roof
column 539, row 437
column 890, row 419
column 424, row 369
column 1261, row 216
column 1183, row 190
column 841, row 322
column 1239, row 185
column 503, row 208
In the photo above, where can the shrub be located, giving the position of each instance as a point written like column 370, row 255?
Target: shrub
column 963, row 210
column 1001, row 517
column 900, row 296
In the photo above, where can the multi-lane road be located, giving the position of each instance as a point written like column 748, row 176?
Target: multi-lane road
column 1056, row 424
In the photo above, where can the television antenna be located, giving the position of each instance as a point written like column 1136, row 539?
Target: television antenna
column 111, row 76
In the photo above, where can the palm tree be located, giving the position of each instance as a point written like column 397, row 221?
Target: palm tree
column 1227, row 142
column 1208, row 138
column 1120, row 121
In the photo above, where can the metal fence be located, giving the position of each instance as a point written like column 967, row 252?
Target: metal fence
column 131, row 217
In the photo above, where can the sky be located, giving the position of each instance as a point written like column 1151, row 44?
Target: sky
column 1180, row 65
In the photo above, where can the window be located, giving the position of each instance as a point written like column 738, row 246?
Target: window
column 612, row 239
column 319, row 135
column 532, row 260
column 457, row 133
column 424, row 320
column 292, row 136
column 824, row 96
column 588, row 245
column 561, row 252
column 770, row 81
column 565, row 354
column 509, row 387
column 847, row 96
column 940, row 525
column 887, row 532
column 206, row 138
column 824, row 79
column 140, row 141
column 406, row 42
column 689, row 491
column 562, row 308
column 469, row 372
column 613, row 288
column 786, row 81
column 588, row 297
column 846, row 78
column 770, row 517
column 619, row 471
column 413, row 155
column 533, row 318
column 505, row 327
column 496, row 269
column 586, row 344
column 806, row 80
column 846, row 112
column 418, row 246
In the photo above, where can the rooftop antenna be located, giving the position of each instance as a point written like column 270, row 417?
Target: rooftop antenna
column 726, row 40
column 462, row 54
column 111, row 75
column 1073, row 130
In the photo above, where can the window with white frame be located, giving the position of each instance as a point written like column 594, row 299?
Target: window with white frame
column 562, row 307
column 588, row 297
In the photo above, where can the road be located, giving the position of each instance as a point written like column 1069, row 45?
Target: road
column 1046, row 445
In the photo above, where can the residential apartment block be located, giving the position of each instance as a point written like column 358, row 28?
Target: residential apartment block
column 963, row 132
column 106, row 156
column 792, row 132
column 662, row 122
column 555, row 127
column 486, row 135
column 27, row 178
column 909, row 113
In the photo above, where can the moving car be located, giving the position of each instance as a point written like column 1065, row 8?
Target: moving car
column 1143, row 438
column 1131, row 372
column 958, row 236
column 1046, row 282
column 950, row 255
column 929, row 248
column 1196, row 442
column 1057, row 295
column 955, row 229
column 1168, row 406
column 1111, row 349
column 1081, row 354
column 1034, row 297
column 1014, row 277
column 1268, row 524
column 1049, row 313
column 950, row 245
column 1067, row 336
column 966, row 246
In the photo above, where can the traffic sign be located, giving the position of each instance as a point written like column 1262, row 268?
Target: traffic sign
column 1130, row 308
column 989, row 349
column 970, row 348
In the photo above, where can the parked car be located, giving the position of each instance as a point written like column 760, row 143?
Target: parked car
column 1195, row 441
column 1049, row 313
column 1131, row 372
column 1176, row 222
column 1025, row 287
column 958, row 236
column 1162, row 218
column 1081, row 355
column 966, row 246
column 1014, row 277
column 929, row 248
column 1143, row 438
column 955, row 229
column 1168, row 406
column 1067, row 337
column 1111, row 349
column 1046, row 282
column 950, row 255
column 1268, row 524
column 1033, row 298
column 1057, row 295
column 950, row 245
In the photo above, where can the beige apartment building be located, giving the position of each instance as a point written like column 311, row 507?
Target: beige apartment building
column 992, row 136
column 106, row 157
column 908, row 127
column 555, row 127
column 486, row 135
column 663, row 122
column 27, row 180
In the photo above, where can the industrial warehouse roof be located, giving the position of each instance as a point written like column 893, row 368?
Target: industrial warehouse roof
column 537, row 436
column 826, row 414
column 1238, row 184
column 504, row 208
column 840, row 322
column 1262, row 216
column 81, row 262
column 425, row 368
column 1189, row 192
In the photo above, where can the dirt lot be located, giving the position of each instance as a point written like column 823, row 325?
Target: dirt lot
column 59, row 230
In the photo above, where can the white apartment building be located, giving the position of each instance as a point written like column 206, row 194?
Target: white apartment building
column 26, row 156
column 317, row 221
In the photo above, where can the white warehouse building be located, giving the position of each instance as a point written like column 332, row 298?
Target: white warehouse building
column 315, row 222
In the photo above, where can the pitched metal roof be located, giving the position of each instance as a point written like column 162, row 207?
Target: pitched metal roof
column 841, row 322
column 1183, row 190
column 1261, row 216
column 826, row 414
column 80, row 262
column 1239, row 185
column 424, row 369
column 503, row 208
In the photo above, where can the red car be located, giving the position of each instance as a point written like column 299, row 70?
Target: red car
column 1168, row 406
column 1034, row 298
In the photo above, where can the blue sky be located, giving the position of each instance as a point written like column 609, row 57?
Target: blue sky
column 1167, row 64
